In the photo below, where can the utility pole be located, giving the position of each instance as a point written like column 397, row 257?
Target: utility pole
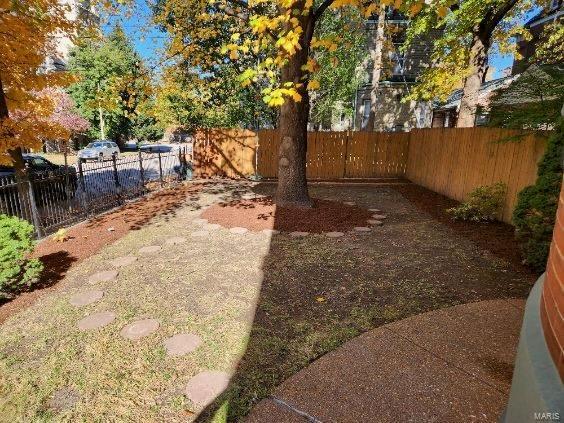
column 101, row 116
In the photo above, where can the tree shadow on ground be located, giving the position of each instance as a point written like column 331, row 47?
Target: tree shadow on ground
column 87, row 238
column 55, row 267
column 317, row 293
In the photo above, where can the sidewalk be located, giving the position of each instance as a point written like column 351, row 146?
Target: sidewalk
column 449, row 365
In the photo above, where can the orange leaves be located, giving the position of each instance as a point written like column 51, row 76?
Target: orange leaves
column 313, row 85
column 326, row 43
column 415, row 8
column 31, row 32
column 311, row 65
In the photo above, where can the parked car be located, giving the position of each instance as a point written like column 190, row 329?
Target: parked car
column 130, row 146
column 155, row 148
column 50, row 182
column 99, row 150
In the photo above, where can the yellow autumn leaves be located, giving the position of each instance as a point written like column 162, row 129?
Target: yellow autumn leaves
column 282, row 33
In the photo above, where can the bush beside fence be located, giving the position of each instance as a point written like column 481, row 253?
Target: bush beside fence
column 450, row 161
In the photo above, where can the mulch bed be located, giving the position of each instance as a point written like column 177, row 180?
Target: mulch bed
column 86, row 239
column 262, row 213
column 495, row 237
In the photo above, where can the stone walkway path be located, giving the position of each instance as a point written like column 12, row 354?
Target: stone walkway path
column 448, row 365
column 205, row 386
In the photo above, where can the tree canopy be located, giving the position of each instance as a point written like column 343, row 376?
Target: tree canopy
column 458, row 21
column 113, row 85
column 29, row 35
column 338, row 69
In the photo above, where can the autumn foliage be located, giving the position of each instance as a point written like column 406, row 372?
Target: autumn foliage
column 29, row 34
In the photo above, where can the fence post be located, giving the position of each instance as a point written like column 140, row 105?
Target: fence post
column 141, row 171
column 116, row 176
column 67, row 190
column 81, row 175
column 33, row 207
column 160, row 168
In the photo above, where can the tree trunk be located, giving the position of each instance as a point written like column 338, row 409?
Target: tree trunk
column 472, row 84
column 376, row 55
column 22, row 178
column 292, row 182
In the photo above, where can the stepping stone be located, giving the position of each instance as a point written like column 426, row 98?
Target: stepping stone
column 362, row 229
column 199, row 221
column 139, row 329
column 150, row 249
column 334, row 234
column 212, row 226
column 123, row 261
column 298, row 234
column 270, row 231
column 96, row 320
column 379, row 216
column 199, row 234
column 375, row 222
column 63, row 399
column 350, row 203
column 85, row 298
column 375, row 210
column 104, row 276
column 238, row 230
column 175, row 240
column 203, row 388
column 181, row 344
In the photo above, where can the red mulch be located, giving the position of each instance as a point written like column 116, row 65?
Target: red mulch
column 262, row 213
column 88, row 238
column 495, row 237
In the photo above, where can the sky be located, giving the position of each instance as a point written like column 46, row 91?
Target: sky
column 150, row 41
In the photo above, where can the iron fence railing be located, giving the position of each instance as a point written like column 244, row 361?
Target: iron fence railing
column 54, row 199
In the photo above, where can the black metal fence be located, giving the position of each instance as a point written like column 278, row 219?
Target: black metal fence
column 54, row 199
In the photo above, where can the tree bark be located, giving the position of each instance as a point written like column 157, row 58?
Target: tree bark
column 292, row 183
column 376, row 55
column 481, row 42
column 479, row 66
column 22, row 178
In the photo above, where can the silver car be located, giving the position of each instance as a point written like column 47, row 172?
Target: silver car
column 99, row 150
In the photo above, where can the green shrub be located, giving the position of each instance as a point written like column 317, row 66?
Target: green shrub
column 16, row 269
column 535, row 213
column 484, row 204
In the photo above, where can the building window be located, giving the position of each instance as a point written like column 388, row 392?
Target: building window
column 398, row 60
column 365, row 113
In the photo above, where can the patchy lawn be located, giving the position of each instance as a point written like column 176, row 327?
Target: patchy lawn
column 263, row 305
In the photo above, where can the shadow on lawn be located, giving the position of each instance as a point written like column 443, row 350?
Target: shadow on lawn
column 317, row 293
column 86, row 239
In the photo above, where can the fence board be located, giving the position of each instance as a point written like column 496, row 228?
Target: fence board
column 454, row 161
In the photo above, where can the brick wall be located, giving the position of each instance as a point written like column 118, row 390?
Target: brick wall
column 552, row 300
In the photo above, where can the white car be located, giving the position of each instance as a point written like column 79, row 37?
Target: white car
column 99, row 150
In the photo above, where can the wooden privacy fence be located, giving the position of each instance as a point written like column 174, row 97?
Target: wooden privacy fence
column 450, row 161
column 454, row 161
column 330, row 155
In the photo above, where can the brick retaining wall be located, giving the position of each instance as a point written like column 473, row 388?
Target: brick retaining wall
column 552, row 302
